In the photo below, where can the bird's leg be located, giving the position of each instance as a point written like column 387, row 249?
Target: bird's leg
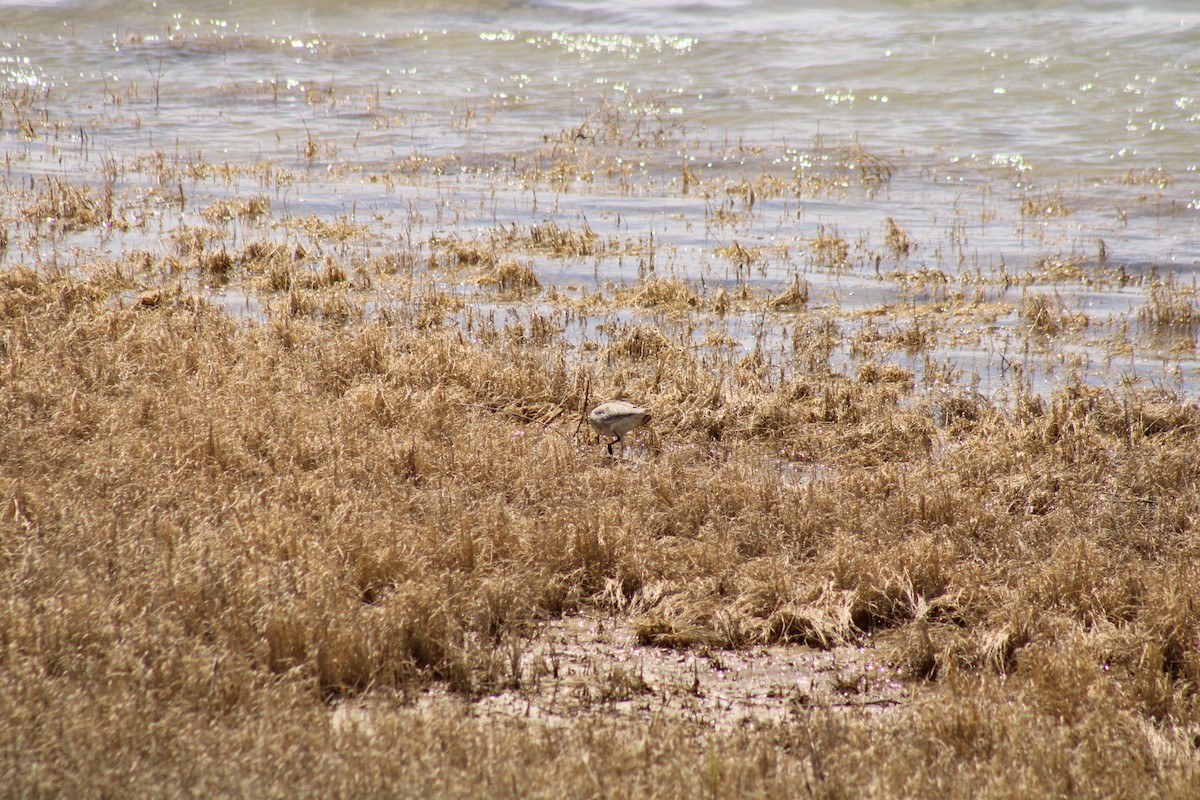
column 610, row 452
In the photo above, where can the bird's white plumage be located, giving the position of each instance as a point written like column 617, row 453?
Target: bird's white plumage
column 616, row 419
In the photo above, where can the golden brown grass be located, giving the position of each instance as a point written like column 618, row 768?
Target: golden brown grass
column 1048, row 316
column 511, row 278
column 213, row 532
column 1045, row 204
column 1171, row 310
column 830, row 249
column 250, row 209
column 898, row 242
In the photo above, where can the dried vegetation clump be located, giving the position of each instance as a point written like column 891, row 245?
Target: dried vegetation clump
column 1172, row 310
column 660, row 295
column 250, row 209
column 65, row 207
column 898, row 242
column 795, row 296
column 1048, row 316
column 552, row 239
column 213, row 527
column 511, row 278
column 829, row 249
column 546, row 238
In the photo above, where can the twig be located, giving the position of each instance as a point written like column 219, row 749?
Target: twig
column 587, row 394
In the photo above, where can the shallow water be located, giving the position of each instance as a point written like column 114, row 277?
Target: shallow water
column 1040, row 147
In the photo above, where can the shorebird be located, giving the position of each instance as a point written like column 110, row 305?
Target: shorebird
column 616, row 419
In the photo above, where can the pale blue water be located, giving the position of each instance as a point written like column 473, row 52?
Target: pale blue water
column 975, row 107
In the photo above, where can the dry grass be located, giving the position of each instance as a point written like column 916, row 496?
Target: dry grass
column 898, row 242
column 795, row 296
column 741, row 256
column 65, row 207
column 829, row 249
column 249, row 210
column 1045, row 204
column 668, row 295
column 552, row 239
column 1048, row 315
column 1172, row 309
column 512, row 279
column 216, row 532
